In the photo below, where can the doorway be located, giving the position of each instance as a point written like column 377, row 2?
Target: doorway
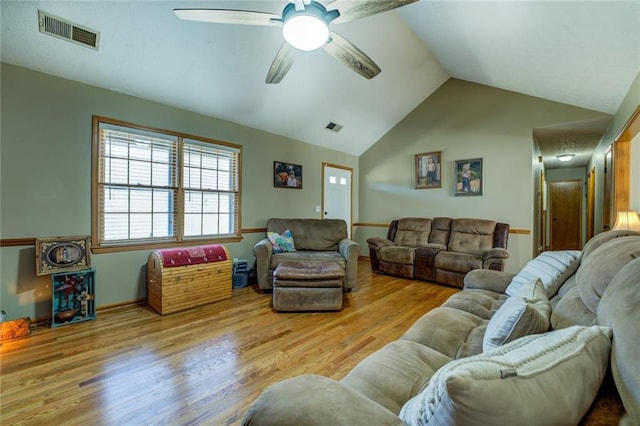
column 608, row 192
column 336, row 193
column 542, row 202
column 565, row 198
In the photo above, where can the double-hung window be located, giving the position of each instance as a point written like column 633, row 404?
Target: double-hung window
column 154, row 187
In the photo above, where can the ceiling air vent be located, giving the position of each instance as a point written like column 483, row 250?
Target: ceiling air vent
column 66, row 30
column 334, row 127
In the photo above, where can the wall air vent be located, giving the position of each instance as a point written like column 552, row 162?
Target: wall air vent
column 66, row 30
column 333, row 127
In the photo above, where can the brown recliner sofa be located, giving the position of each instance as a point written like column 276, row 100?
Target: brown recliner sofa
column 316, row 240
column 439, row 249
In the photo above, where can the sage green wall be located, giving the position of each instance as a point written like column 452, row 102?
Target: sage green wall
column 45, row 171
column 628, row 106
column 45, row 174
column 463, row 120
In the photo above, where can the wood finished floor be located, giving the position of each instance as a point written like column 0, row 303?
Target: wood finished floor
column 203, row 366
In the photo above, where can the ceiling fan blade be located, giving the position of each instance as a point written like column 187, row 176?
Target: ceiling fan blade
column 351, row 10
column 225, row 16
column 281, row 64
column 347, row 53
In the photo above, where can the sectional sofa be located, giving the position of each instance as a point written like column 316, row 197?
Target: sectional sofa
column 526, row 348
column 440, row 249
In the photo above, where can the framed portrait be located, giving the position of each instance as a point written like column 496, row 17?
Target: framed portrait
column 62, row 254
column 429, row 170
column 468, row 177
column 287, row 175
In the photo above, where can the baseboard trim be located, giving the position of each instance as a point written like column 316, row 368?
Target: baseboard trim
column 137, row 302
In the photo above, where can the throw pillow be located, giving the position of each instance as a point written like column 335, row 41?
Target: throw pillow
column 526, row 312
column 281, row 243
column 552, row 267
column 287, row 239
column 549, row 378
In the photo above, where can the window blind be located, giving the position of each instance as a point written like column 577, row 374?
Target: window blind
column 159, row 187
column 210, row 189
column 137, row 185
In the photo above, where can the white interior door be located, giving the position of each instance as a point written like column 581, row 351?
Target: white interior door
column 336, row 201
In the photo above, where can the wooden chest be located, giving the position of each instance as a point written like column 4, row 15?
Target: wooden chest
column 185, row 277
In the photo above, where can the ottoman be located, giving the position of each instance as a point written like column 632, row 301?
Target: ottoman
column 308, row 286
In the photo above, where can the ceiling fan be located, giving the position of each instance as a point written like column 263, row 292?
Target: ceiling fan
column 305, row 26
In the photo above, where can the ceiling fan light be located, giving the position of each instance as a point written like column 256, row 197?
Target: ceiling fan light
column 565, row 157
column 305, row 32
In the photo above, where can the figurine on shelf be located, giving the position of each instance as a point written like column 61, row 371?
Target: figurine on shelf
column 84, row 297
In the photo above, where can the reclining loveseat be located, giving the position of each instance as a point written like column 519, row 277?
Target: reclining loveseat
column 441, row 249
column 526, row 348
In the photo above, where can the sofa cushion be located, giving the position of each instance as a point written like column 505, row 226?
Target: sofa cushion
column 568, row 285
column 450, row 331
column 313, row 400
column 413, row 231
column 397, row 254
column 552, row 267
column 395, row 373
column 526, row 312
column 570, row 310
column 306, row 256
column 603, row 238
column 471, row 235
column 543, row 379
column 597, row 271
column 440, row 231
column 457, row 262
column 482, row 303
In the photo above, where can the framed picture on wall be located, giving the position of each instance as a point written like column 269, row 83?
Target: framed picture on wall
column 287, row 175
column 428, row 167
column 468, row 177
column 62, row 254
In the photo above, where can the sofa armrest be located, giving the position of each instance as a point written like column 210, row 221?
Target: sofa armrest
column 350, row 250
column 486, row 279
column 494, row 259
column 377, row 242
column 263, row 251
column 316, row 400
column 618, row 309
column 495, row 253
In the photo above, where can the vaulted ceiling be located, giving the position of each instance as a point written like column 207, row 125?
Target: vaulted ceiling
column 582, row 53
